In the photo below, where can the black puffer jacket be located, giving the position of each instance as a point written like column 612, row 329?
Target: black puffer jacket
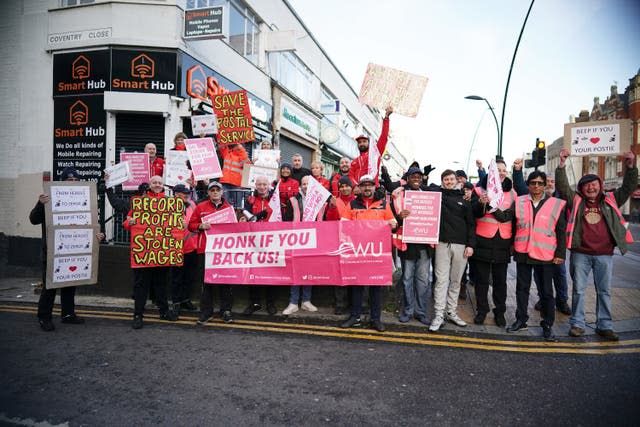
column 495, row 250
column 457, row 224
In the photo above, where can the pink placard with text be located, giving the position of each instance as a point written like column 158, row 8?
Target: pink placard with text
column 139, row 167
column 223, row 216
column 306, row 253
column 203, row 158
column 423, row 224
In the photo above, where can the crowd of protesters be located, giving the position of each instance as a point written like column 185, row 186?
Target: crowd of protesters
column 534, row 224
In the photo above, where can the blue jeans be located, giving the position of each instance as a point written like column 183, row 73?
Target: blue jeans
column 580, row 266
column 415, row 278
column 294, row 296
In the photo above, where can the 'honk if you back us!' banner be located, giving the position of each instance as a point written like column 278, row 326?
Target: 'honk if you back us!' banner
column 310, row 253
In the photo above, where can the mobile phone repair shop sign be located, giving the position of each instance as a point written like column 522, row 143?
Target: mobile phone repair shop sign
column 207, row 23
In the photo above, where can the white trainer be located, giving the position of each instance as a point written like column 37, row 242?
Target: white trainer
column 454, row 318
column 436, row 323
column 307, row 306
column 291, row 308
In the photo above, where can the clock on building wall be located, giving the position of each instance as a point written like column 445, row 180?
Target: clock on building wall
column 329, row 134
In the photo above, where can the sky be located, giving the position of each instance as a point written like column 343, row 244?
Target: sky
column 570, row 52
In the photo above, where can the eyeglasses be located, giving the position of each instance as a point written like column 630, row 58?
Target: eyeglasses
column 536, row 183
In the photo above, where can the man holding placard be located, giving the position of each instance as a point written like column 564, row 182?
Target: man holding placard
column 152, row 221
column 362, row 165
column 594, row 228
column 67, row 294
column 416, row 257
column 199, row 224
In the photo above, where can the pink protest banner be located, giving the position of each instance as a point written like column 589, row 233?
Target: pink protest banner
column 311, row 253
column 423, row 224
column 139, row 168
column 235, row 124
column 224, row 216
column 383, row 87
column 203, row 158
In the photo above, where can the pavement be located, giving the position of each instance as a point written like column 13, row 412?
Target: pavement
column 625, row 301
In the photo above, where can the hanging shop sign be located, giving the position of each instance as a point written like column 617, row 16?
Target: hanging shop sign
column 298, row 121
column 208, row 23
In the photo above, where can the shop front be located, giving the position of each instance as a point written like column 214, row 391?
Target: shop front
column 298, row 129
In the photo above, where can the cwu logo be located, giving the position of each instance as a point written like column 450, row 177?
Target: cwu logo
column 350, row 250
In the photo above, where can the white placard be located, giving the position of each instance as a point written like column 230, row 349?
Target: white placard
column 266, row 158
column 118, row 174
column 207, row 125
column 72, row 268
column 598, row 140
column 70, row 198
column 176, row 170
column 80, row 218
column 73, row 241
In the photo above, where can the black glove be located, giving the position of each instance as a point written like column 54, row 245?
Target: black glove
column 428, row 169
column 261, row 215
column 380, row 193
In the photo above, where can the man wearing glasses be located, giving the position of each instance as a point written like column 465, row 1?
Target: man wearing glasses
column 539, row 244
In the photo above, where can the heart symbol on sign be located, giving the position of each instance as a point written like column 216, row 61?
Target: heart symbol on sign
column 595, row 140
column 180, row 178
column 203, row 124
column 73, row 268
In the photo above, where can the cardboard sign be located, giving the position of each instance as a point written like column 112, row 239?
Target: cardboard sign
column 203, row 158
column 267, row 158
column 251, row 172
column 600, row 138
column 423, row 224
column 204, row 125
column 314, row 253
column 235, row 125
column 176, row 170
column 71, row 217
column 314, row 199
column 383, row 87
column 156, row 238
column 118, row 174
column 223, row 216
column 139, row 167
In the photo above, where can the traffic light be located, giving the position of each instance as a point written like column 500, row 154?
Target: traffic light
column 541, row 152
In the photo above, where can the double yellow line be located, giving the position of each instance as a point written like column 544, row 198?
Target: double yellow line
column 630, row 346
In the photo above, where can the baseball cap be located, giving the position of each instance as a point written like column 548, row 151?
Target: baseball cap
column 413, row 170
column 366, row 179
column 214, row 184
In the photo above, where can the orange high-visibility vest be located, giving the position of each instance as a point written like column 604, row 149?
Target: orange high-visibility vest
column 608, row 199
column 488, row 225
column 537, row 236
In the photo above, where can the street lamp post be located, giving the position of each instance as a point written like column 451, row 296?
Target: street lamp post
column 479, row 98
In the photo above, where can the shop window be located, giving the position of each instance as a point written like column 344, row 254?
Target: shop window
column 293, row 74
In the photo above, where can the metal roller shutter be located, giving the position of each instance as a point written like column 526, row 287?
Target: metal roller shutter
column 288, row 147
column 133, row 132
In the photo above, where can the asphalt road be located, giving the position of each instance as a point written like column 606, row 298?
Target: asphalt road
column 105, row 373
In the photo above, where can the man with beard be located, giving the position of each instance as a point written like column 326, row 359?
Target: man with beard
column 343, row 171
column 360, row 165
column 595, row 226
column 367, row 206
